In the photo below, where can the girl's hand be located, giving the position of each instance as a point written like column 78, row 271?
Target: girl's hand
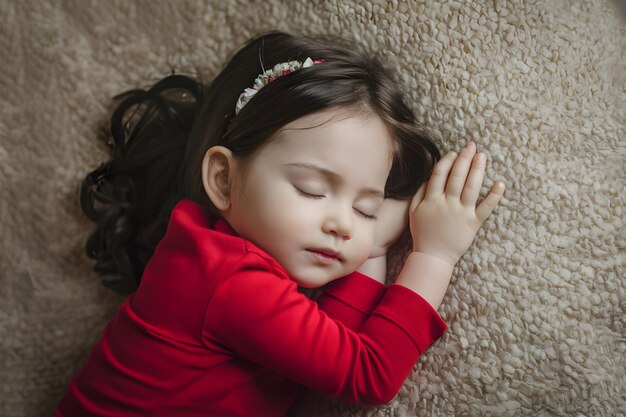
column 444, row 221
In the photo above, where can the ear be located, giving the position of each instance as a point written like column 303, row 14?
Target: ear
column 218, row 169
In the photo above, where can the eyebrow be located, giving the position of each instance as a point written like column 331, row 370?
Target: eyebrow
column 333, row 176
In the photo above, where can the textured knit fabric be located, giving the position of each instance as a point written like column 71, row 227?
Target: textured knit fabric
column 217, row 328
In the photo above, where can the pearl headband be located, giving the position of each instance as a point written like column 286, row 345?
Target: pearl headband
column 270, row 75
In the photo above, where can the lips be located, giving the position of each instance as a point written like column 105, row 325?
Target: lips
column 327, row 252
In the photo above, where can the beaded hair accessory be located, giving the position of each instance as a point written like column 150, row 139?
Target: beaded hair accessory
column 270, row 75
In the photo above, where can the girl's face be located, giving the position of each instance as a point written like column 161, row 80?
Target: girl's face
column 310, row 197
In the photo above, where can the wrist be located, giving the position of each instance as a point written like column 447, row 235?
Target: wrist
column 435, row 258
column 427, row 275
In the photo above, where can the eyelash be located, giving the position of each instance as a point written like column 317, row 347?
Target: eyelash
column 319, row 197
column 314, row 196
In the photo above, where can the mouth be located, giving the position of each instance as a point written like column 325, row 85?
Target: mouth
column 325, row 255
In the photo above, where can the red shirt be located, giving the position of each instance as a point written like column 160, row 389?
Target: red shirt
column 217, row 328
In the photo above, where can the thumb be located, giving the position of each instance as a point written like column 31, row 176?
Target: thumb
column 418, row 197
column 489, row 203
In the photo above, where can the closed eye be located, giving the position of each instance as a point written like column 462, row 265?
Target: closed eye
column 314, row 196
column 319, row 197
column 367, row 216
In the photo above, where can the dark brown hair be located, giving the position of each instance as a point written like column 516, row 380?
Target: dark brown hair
column 159, row 147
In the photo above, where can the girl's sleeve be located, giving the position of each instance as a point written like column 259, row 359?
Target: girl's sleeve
column 263, row 318
column 351, row 299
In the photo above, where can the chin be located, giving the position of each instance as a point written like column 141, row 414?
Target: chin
column 308, row 283
column 311, row 282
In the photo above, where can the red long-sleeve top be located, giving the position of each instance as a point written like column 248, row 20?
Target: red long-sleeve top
column 217, row 328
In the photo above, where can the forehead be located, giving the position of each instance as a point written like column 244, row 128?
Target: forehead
column 336, row 137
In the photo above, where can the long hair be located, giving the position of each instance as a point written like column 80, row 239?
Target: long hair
column 160, row 162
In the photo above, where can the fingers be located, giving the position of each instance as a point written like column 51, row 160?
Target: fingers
column 458, row 175
column 451, row 176
column 474, row 180
column 438, row 178
column 486, row 207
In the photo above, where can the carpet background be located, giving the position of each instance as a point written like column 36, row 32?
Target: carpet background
column 535, row 308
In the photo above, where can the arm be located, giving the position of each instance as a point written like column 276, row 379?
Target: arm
column 367, row 367
column 351, row 299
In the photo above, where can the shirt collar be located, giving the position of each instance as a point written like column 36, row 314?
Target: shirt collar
column 221, row 225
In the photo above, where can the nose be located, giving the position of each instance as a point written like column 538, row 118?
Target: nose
column 339, row 222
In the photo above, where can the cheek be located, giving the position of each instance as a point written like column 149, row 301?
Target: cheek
column 365, row 244
column 278, row 209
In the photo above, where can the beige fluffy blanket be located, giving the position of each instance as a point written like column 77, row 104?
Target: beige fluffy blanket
column 535, row 308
